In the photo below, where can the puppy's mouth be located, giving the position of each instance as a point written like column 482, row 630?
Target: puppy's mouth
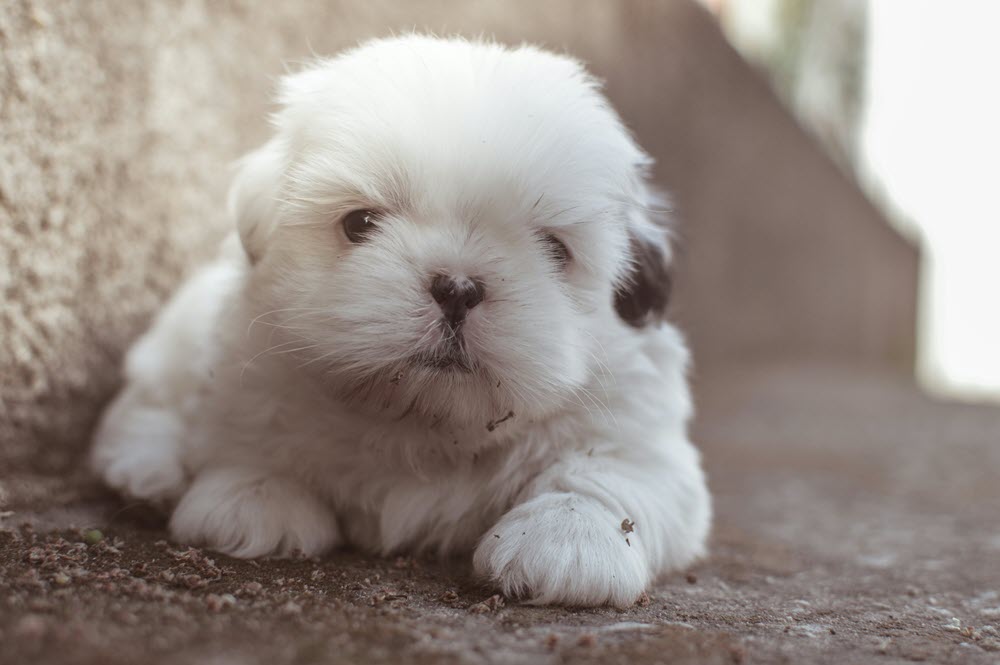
column 450, row 354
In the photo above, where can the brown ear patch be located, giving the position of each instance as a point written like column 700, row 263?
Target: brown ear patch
column 643, row 296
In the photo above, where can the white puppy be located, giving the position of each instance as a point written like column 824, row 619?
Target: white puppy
column 441, row 330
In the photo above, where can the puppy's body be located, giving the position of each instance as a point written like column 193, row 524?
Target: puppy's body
column 304, row 391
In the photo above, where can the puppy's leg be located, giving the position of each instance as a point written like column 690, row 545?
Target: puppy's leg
column 136, row 450
column 248, row 513
column 138, row 445
column 597, row 530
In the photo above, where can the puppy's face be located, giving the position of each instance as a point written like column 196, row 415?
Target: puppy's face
column 444, row 229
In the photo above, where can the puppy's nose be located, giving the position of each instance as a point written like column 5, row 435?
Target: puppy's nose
column 456, row 296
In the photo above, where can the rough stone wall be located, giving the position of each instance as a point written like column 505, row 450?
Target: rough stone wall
column 118, row 121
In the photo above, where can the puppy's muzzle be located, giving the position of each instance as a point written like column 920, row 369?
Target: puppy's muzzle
column 456, row 296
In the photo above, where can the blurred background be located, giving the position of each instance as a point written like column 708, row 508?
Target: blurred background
column 903, row 95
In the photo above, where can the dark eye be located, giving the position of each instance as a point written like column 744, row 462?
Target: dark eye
column 557, row 249
column 359, row 225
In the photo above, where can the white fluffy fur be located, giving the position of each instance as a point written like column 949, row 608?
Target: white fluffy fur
column 276, row 403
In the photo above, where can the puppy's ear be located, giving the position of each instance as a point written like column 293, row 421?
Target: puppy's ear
column 643, row 294
column 253, row 197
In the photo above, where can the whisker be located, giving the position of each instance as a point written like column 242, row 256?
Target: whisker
column 266, row 351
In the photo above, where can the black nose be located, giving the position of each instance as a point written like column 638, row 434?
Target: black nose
column 456, row 296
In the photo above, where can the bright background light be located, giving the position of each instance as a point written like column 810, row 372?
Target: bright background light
column 931, row 139
column 906, row 94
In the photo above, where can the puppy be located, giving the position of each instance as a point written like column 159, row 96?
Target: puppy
column 439, row 327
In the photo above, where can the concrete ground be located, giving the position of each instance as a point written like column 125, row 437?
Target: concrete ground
column 857, row 521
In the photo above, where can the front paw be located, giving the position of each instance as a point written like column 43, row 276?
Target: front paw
column 136, row 452
column 562, row 548
column 247, row 514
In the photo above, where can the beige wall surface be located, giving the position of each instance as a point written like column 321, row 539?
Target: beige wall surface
column 118, row 122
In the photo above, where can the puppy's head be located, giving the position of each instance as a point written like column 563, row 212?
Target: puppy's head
column 448, row 228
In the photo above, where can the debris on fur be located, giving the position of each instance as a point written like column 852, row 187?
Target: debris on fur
column 396, row 378
column 628, row 526
column 491, row 604
column 492, row 425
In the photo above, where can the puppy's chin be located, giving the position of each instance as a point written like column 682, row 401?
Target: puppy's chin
column 438, row 390
column 446, row 388
column 451, row 354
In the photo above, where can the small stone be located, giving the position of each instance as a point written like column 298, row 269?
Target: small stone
column 192, row 581
column 954, row 625
column 251, row 588
column 92, row 536
column 213, row 602
column 491, row 604
column 217, row 603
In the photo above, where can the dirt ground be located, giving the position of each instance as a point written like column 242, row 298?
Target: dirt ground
column 857, row 521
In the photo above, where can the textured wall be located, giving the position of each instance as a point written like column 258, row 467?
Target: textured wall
column 118, row 121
